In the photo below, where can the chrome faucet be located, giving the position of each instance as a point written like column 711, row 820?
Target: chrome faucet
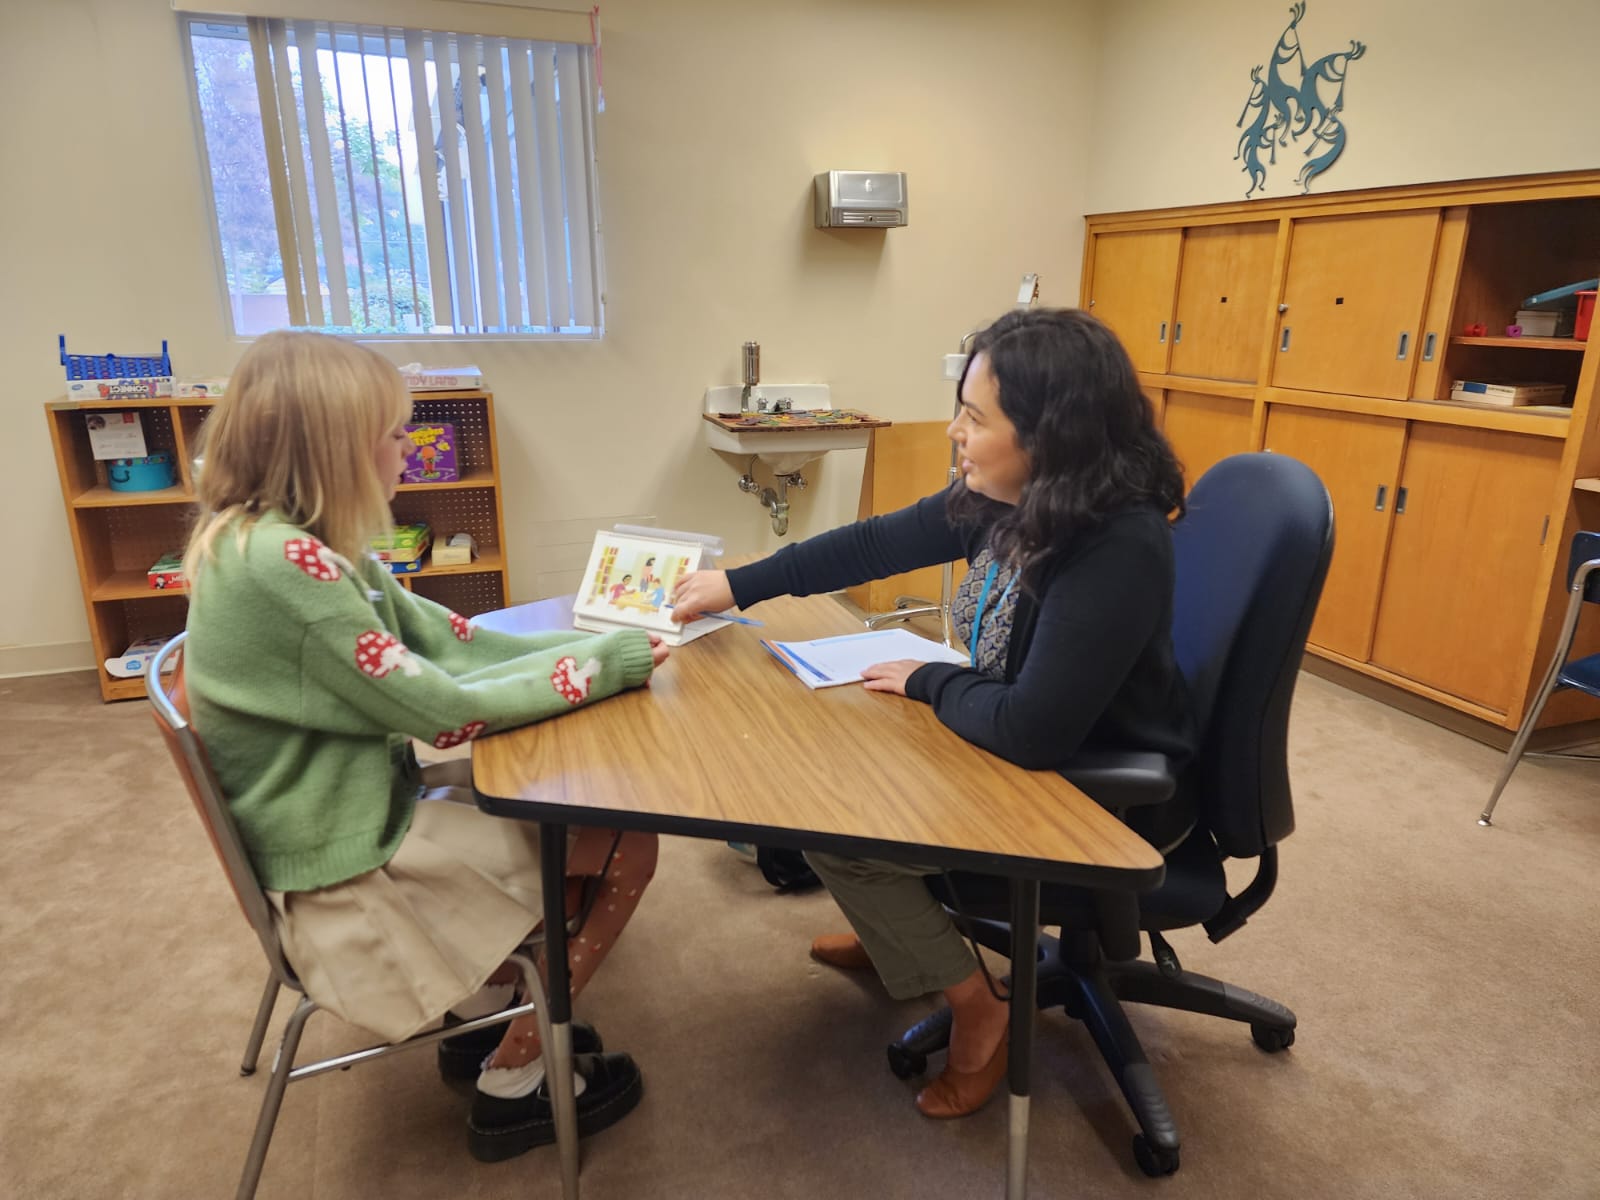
column 751, row 373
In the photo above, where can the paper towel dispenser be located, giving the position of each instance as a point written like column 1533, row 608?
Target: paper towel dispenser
column 861, row 199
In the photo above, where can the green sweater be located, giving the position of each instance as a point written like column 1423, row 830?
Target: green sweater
column 307, row 675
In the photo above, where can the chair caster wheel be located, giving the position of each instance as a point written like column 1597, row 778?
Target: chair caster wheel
column 1154, row 1161
column 1270, row 1038
column 906, row 1063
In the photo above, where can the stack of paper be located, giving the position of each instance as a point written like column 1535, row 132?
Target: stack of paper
column 829, row 662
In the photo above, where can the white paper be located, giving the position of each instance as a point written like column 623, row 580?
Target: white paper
column 828, row 662
column 115, row 435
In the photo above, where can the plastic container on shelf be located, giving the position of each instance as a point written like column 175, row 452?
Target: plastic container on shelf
column 148, row 474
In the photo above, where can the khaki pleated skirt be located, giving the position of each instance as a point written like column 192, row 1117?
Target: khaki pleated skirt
column 393, row 949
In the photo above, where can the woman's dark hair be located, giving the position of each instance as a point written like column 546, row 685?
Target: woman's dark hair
column 1069, row 388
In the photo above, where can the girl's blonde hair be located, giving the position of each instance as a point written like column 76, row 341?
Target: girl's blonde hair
column 295, row 434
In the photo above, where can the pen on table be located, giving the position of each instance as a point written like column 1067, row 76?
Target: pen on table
column 790, row 652
column 724, row 616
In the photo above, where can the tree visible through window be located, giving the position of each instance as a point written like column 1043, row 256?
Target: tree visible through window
column 363, row 196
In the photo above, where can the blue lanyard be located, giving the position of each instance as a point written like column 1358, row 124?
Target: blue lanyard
column 983, row 600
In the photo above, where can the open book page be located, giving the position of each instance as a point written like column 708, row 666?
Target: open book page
column 829, row 662
column 628, row 584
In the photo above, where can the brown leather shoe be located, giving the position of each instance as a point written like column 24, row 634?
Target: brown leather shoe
column 842, row 950
column 957, row 1093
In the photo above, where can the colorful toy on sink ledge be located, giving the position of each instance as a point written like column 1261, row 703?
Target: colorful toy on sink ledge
column 116, row 376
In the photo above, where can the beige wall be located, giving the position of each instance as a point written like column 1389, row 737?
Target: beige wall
column 1458, row 90
column 718, row 114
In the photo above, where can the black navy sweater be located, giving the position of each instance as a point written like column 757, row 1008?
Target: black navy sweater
column 1090, row 664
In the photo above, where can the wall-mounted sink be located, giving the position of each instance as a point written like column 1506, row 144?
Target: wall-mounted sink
column 785, row 441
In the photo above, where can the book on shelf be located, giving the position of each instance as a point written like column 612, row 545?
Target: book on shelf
column 628, row 585
column 1511, row 394
column 829, row 662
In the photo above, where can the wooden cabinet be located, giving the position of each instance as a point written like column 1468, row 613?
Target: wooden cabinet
column 1205, row 429
column 1135, row 276
column 1223, row 289
column 905, row 462
column 1352, row 322
column 1353, row 303
column 117, row 535
column 1471, row 520
column 1357, row 458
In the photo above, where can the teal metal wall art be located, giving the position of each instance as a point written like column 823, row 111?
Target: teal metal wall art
column 1294, row 101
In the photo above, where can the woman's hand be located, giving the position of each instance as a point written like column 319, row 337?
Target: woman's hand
column 890, row 676
column 658, row 650
column 701, row 592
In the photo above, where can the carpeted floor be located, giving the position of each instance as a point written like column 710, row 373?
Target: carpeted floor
column 1444, row 976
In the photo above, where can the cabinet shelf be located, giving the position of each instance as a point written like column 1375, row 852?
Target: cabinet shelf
column 1522, row 343
column 116, row 535
column 101, row 496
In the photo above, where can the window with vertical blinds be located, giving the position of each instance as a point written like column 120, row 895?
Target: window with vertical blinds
column 376, row 180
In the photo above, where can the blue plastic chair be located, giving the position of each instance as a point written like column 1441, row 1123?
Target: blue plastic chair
column 1583, row 587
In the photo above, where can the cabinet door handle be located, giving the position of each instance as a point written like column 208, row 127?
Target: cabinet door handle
column 1400, row 502
column 1283, row 343
column 1428, row 344
column 1177, row 333
column 1383, row 494
column 1283, row 308
column 1162, row 337
column 1405, row 344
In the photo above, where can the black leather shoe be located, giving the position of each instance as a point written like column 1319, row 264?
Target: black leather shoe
column 500, row 1129
column 461, row 1057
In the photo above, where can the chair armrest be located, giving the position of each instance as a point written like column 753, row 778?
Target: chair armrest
column 1119, row 780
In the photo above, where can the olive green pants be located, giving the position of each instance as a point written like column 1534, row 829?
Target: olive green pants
column 909, row 936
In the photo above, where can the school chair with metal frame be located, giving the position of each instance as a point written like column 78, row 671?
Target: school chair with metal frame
column 1251, row 556
column 169, row 702
column 1583, row 587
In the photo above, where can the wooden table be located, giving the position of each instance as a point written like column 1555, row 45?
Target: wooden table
column 725, row 743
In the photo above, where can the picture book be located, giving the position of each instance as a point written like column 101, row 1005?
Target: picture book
column 628, row 585
column 829, row 662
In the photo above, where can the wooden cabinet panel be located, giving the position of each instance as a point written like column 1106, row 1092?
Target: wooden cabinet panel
column 1204, row 430
column 1460, row 584
column 1223, row 289
column 1135, row 278
column 1358, row 460
column 906, row 461
column 1355, row 286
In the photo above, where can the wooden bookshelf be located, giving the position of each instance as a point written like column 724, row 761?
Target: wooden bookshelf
column 117, row 535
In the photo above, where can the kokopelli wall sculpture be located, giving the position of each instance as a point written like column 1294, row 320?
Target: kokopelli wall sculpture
column 1294, row 101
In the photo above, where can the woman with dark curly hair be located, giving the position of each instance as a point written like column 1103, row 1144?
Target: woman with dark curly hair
column 1062, row 512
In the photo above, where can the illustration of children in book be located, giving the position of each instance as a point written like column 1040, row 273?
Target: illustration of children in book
column 647, row 577
column 620, row 590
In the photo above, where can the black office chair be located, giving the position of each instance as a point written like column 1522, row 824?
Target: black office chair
column 1583, row 587
column 1252, row 554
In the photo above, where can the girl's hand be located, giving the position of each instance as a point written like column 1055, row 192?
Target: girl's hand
column 890, row 676
column 658, row 650
column 701, row 592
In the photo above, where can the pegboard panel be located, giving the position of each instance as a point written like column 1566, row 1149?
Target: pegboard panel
column 469, row 595
column 470, row 416
column 138, row 536
column 158, row 436
column 120, row 623
column 452, row 510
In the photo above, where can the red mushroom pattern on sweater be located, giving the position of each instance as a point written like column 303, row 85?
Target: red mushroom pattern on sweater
column 456, row 736
column 315, row 559
column 378, row 653
column 572, row 681
column 461, row 626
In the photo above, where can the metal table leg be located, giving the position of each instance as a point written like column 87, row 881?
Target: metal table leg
column 558, row 1054
column 1024, row 976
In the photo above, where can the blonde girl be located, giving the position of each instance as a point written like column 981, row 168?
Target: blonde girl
column 310, row 671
